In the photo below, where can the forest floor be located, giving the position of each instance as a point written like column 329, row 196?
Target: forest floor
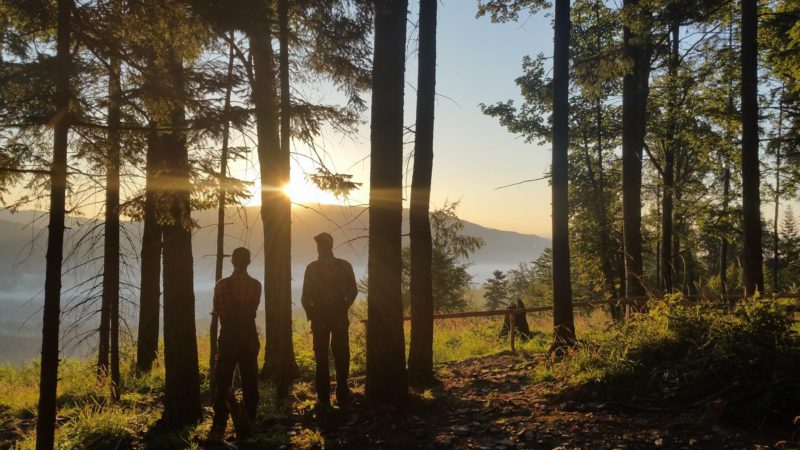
column 677, row 377
column 491, row 402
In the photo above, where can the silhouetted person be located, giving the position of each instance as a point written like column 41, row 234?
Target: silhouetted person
column 236, row 300
column 329, row 289
column 521, row 328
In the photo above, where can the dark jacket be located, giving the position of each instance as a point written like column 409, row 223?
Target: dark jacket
column 329, row 289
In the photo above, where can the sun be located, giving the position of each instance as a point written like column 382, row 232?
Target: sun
column 301, row 190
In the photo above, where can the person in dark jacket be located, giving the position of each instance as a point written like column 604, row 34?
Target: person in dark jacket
column 329, row 289
column 236, row 300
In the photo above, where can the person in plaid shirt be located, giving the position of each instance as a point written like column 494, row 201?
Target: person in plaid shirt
column 236, row 300
column 329, row 289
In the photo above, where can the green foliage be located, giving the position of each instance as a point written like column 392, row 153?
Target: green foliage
column 451, row 250
column 745, row 362
column 508, row 10
column 496, row 290
column 337, row 183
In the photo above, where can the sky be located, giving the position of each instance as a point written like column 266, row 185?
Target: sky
column 477, row 62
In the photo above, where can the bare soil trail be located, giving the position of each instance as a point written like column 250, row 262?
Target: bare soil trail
column 492, row 403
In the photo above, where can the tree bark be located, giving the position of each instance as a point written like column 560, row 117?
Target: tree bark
column 563, row 321
column 48, row 381
column 150, row 278
column 386, row 372
column 776, row 218
column 723, row 251
column 223, row 168
column 751, row 178
column 275, row 204
column 287, row 367
column 182, row 377
column 420, row 357
column 111, row 242
column 667, row 267
column 635, row 89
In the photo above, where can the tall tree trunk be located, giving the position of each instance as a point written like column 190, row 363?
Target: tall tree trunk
column 182, row 377
column 223, row 168
column 287, row 366
column 723, row 250
column 726, row 184
column 150, row 278
column 678, row 265
column 386, row 369
column 751, row 202
column 776, row 241
column 111, row 243
column 275, row 205
column 635, row 89
column 667, row 267
column 420, row 356
column 48, row 381
column 563, row 322
column 3, row 29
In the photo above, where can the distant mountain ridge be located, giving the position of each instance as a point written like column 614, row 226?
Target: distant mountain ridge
column 23, row 243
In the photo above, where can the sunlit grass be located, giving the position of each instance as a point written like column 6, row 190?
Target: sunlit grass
column 87, row 419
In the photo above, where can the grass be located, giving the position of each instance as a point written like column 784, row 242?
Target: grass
column 676, row 354
column 742, row 367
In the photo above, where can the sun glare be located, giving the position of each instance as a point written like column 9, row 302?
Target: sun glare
column 301, row 190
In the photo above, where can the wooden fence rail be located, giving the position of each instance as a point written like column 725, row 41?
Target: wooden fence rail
column 635, row 301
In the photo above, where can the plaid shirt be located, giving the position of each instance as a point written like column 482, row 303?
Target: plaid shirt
column 236, row 297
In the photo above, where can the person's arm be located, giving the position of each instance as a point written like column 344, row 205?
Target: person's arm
column 351, row 288
column 305, row 298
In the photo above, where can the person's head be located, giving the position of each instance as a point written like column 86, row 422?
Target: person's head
column 324, row 243
column 240, row 258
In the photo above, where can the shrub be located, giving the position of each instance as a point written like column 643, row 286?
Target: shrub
column 746, row 362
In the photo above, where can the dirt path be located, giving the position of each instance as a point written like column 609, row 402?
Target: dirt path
column 490, row 403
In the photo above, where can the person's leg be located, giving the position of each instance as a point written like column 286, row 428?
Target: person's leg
column 340, row 343
column 248, row 368
column 223, row 376
column 322, row 379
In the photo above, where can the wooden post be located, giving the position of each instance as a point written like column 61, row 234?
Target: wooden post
column 511, row 332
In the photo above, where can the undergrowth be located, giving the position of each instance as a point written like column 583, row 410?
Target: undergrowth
column 742, row 366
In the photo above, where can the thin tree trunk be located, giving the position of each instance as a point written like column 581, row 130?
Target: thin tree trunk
column 723, row 251
column 776, row 241
column 48, row 381
column 287, row 366
column 751, row 178
column 677, row 264
column 635, row 89
column 726, row 189
column 111, row 243
column 223, row 168
column 150, row 282
column 386, row 369
column 563, row 321
column 182, row 377
column 3, row 29
column 420, row 357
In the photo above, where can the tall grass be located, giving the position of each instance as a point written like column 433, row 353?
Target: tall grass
column 746, row 363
